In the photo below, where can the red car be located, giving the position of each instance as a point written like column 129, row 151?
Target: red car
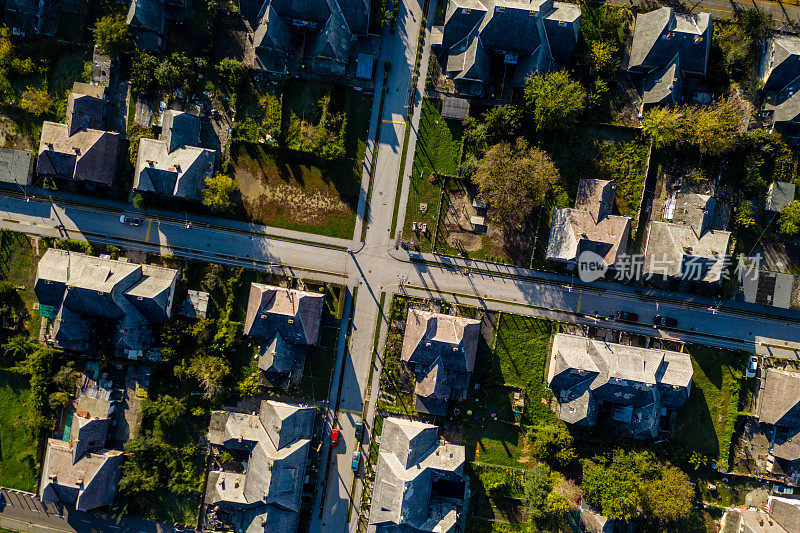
column 334, row 438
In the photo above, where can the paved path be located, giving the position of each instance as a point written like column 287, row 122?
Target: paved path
column 372, row 270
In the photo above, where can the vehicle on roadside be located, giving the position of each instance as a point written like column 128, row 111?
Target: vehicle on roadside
column 359, row 431
column 665, row 321
column 130, row 220
column 335, row 434
column 780, row 489
column 356, row 461
column 625, row 316
column 752, row 366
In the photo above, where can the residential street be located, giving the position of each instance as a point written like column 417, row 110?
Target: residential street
column 373, row 270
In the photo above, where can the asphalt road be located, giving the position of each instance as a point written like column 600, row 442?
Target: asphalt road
column 374, row 268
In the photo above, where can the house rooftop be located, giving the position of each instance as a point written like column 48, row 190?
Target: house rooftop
column 778, row 401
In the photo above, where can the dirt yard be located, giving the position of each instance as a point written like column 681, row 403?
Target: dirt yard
column 459, row 233
column 295, row 195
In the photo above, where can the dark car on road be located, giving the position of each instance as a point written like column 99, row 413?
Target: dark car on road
column 130, row 220
column 359, row 431
column 665, row 321
column 625, row 316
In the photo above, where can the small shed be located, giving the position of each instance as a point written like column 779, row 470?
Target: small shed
column 779, row 195
column 16, row 166
column 455, row 108
column 365, row 66
column 195, row 305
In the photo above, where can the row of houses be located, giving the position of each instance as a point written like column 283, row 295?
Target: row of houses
column 83, row 150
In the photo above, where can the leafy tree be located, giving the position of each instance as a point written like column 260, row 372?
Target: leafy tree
column 667, row 497
column 790, row 218
column 143, row 80
column 474, row 133
column 111, row 34
column 537, row 486
column 715, row 129
column 735, row 45
column 17, row 348
column 218, row 192
column 662, row 126
column 755, row 22
column 553, row 100
column 604, row 56
column 745, row 216
column 556, row 507
column 614, row 488
column 210, row 371
column 551, row 442
column 501, row 122
column 166, row 413
column 513, row 180
column 249, row 385
column 231, row 73
column 58, row 400
column 138, row 201
column 175, row 72
column 36, row 101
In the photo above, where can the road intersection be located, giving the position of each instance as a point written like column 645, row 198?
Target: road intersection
column 373, row 269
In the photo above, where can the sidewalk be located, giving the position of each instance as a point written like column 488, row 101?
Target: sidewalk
column 222, row 223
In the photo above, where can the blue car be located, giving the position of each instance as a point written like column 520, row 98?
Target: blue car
column 356, row 461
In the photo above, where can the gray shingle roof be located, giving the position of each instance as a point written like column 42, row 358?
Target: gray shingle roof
column 779, row 400
column 83, row 473
column 583, row 371
column 87, row 155
column 328, row 26
column 676, row 251
column 410, row 455
column 589, row 226
column 779, row 194
column 663, row 86
column 175, row 165
column 278, row 439
column 82, row 286
column 16, row 166
column 296, row 314
column 660, row 34
column 475, row 30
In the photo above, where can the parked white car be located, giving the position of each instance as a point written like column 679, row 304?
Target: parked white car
column 752, row 366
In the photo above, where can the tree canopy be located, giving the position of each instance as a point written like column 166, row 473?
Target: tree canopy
column 790, row 218
column 551, row 442
column 662, row 126
column 513, row 180
column 553, row 100
column 218, row 192
column 111, row 34
column 631, row 481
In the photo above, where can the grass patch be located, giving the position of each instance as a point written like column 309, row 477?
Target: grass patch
column 438, row 151
column 518, row 359
column 706, row 422
column 17, row 456
column 294, row 191
column 18, row 262
column 319, row 366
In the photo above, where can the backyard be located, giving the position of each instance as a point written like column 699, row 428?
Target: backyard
column 55, row 69
column 18, row 261
column 305, row 172
column 706, row 422
column 437, row 157
column 516, row 362
column 17, row 456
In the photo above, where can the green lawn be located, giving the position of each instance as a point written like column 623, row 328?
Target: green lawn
column 706, row 422
column 18, row 266
column 17, row 456
column 438, row 151
column 518, row 360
